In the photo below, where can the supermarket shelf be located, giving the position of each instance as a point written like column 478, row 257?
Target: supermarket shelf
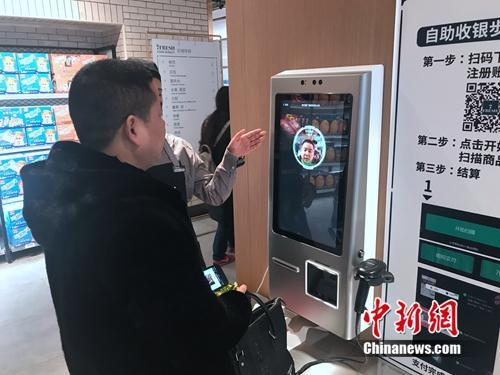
column 7, row 201
column 334, row 167
column 15, row 150
column 325, row 191
column 335, row 137
column 27, row 246
column 6, row 97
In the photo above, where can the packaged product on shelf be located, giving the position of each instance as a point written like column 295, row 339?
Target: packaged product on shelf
column 320, row 182
column 330, row 181
column 64, row 68
column 334, row 127
column 341, row 126
column 14, row 217
column 324, row 126
column 338, row 153
column 66, row 132
column 11, row 187
column 11, row 165
column 9, row 84
column 12, row 138
column 41, row 135
column 33, row 83
column 330, row 155
column 37, row 156
column 19, row 236
column 33, row 62
column 61, row 113
column 345, row 127
column 37, row 116
column 4, row 113
column 344, row 154
column 11, row 117
column 8, row 63
column 87, row 59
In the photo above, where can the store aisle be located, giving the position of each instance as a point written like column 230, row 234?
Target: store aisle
column 29, row 335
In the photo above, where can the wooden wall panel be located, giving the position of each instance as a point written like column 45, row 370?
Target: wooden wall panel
column 266, row 37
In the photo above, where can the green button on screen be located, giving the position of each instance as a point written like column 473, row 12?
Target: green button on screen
column 448, row 258
column 490, row 270
column 463, row 229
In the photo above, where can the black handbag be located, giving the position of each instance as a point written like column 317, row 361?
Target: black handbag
column 262, row 350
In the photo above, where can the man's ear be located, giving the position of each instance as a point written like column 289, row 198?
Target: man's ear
column 131, row 129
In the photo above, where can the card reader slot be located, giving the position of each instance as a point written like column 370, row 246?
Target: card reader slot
column 286, row 265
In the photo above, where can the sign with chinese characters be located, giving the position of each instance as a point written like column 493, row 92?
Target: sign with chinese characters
column 443, row 209
column 191, row 74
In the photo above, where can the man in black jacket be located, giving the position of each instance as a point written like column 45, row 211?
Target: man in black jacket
column 120, row 250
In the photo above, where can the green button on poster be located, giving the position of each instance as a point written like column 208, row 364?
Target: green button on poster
column 448, row 258
column 463, row 229
column 490, row 270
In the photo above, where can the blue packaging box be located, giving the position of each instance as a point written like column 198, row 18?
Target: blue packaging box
column 8, row 62
column 11, row 117
column 14, row 218
column 11, row 187
column 11, row 166
column 12, row 138
column 38, row 116
column 41, row 135
column 3, row 113
column 38, row 156
column 34, row 83
column 33, row 62
column 19, row 236
column 9, row 84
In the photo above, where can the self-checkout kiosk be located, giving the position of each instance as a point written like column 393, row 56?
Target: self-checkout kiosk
column 324, row 168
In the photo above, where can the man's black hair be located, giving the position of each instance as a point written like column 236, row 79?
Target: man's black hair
column 103, row 94
column 308, row 141
column 151, row 66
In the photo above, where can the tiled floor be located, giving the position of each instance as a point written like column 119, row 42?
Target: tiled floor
column 29, row 335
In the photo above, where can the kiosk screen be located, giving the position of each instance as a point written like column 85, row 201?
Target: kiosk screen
column 311, row 153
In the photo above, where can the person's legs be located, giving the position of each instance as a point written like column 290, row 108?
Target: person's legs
column 230, row 237
column 220, row 242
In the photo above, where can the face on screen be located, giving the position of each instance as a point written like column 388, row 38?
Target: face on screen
column 309, row 147
column 307, row 151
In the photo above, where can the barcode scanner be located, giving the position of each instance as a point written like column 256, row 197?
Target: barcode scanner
column 371, row 272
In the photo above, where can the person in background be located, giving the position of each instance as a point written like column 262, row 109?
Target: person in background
column 216, row 134
column 121, row 256
column 180, row 165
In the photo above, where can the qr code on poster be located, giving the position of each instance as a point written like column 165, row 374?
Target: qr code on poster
column 482, row 107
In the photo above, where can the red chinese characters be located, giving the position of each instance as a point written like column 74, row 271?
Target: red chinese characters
column 443, row 317
column 374, row 317
column 410, row 318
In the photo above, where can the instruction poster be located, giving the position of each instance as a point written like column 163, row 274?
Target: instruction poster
column 191, row 75
column 443, row 203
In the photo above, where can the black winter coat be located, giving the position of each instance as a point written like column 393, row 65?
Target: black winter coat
column 124, row 270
